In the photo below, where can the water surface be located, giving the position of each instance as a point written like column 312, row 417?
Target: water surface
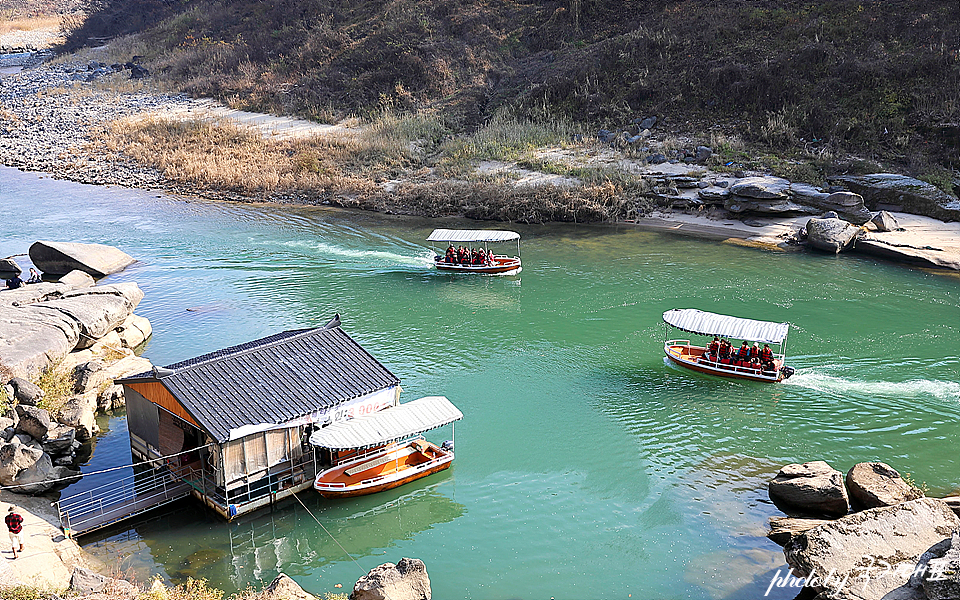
column 586, row 466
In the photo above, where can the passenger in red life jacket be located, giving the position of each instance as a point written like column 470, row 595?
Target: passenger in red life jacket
column 451, row 255
column 766, row 358
column 481, row 257
column 724, row 349
column 744, row 352
column 755, row 352
column 714, row 348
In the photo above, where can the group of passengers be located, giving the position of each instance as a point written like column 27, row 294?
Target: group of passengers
column 720, row 350
column 476, row 257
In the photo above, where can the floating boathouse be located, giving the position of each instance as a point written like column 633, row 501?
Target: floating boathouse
column 234, row 424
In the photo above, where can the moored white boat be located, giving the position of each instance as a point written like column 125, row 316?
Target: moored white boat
column 699, row 357
column 384, row 450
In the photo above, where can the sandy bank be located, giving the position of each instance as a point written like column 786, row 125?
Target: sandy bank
column 48, row 557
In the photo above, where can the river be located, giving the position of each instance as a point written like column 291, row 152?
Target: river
column 586, row 466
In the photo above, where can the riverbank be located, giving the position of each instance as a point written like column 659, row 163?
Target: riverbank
column 126, row 139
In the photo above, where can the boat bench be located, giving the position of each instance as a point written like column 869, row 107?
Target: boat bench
column 370, row 464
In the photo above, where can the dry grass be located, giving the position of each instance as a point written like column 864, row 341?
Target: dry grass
column 220, row 156
column 57, row 388
column 222, row 159
column 30, row 24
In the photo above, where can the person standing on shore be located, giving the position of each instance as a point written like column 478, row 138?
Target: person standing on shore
column 15, row 525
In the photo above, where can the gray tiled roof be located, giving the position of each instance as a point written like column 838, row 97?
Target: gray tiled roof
column 272, row 380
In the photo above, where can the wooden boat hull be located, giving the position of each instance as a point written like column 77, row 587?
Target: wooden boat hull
column 689, row 357
column 504, row 265
column 396, row 465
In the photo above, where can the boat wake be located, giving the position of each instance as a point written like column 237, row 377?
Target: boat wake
column 840, row 386
column 376, row 258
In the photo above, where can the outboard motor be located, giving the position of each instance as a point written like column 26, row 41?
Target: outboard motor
column 447, row 446
column 786, row 372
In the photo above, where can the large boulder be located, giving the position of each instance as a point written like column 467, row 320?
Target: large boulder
column 850, row 207
column 887, row 191
column 874, row 484
column 80, row 412
column 406, row 580
column 885, row 222
column 41, row 477
column 871, row 554
column 813, row 487
column 97, row 310
column 9, row 268
column 59, row 440
column 783, row 529
column 15, row 458
column 831, row 235
column 134, row 331
column 25, row 392
column 111, row 398
column 32, row 340
column 761, row 188
column 87, row 582
column 59, row 258
column 285, row 588
column 942, row 577
column 33, row 421
column 78, row 279
column 88, row 376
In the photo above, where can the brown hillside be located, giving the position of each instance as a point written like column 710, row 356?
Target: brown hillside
column 878, row 79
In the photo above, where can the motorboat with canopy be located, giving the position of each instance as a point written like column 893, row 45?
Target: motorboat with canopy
column 493, row 264
column 759, row 365
column 384, row 450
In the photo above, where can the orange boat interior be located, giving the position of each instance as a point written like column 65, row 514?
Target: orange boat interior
column 695, row 354
column 394, row 459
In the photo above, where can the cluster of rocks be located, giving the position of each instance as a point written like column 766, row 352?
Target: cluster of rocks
column 896, row 544
column 406, row 580
column 635, row 136
column 83, row 332
column 95, row 69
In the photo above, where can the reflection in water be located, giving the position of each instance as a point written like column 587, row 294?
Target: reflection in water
column 286, row 539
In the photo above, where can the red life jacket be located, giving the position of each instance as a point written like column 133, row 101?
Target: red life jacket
column 766, row 355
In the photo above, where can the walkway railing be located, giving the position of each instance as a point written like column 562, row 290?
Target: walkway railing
column 120, row 499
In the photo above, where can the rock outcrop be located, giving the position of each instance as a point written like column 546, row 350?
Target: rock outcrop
column 783, row 529
column 406, row 580
column 871, row 554
column 85, row 581
column 885, row 222
column 813, row 487
column 887, row 191
column 285, row 588
column 875, row 484
column 9, row 268
column 97, row 260
column 42, row 323
column 941, row 579
column 831, row 234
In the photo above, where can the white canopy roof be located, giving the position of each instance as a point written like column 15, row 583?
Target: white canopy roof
column 472, row 235
column 707, row 323
column 394, row 423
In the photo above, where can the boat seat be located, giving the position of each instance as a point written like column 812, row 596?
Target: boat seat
column 370, row 464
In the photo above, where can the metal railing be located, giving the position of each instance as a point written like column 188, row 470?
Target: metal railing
column 120, row 499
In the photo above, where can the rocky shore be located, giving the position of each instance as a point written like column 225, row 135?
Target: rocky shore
column 869, row 535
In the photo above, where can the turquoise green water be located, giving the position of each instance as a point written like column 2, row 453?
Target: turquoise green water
column 586, row 466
